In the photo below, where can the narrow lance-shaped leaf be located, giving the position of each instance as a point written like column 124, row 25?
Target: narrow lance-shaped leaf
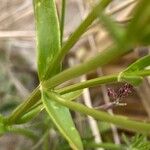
column 48, row 45
column 138, row 28
column 47, row 35
column 129, row 74
column 116, row 32
column 97, row 10
column 60, row 115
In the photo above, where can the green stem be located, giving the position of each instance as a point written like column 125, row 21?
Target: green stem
column 35, row 95
column 121, row 121
column 88, row 83
column 76, row 35
column 62, row 20
column 30, row 115
column 23, row 107
column 97, row 81
column 98, row 61
column 109, row 146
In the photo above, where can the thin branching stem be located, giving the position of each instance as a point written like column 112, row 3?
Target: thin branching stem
column 123, row 122
column 76, row 35
column 62, row 20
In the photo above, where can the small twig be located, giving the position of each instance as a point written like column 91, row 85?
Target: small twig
column 110, row 105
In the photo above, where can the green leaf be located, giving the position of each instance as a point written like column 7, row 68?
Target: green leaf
column 115, row 31
column 61, row 117
column 62, row 20
column 140, row 64
column 137, row 29
column 130, row 73
column 96, row 11
column 47, row 35
column 134, row 80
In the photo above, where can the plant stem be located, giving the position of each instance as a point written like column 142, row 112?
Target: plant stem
column 121, row 121
column 97, row 81
column 63, row 8
column 104, row 145
column 30, row 115
column 23, row 107
column 76, row 35
column 88, row 83
column 35, row 95
column 101, row 59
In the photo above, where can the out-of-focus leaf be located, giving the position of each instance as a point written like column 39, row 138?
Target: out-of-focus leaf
column 115, row 31
column 3, row 128
column 61, row 116
column 47, row 35
column 138, row 29
column 7, row 107
column 130, row 74
column 138, row 142
column 140, row 64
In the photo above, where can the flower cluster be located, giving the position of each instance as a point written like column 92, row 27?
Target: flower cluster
column 122, row 92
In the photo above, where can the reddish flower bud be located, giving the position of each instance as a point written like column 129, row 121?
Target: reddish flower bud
column 122, row 92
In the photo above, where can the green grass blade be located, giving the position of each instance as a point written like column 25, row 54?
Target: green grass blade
column 47, row 35
column 61, row 117
column 130, row 73
column 140, row 64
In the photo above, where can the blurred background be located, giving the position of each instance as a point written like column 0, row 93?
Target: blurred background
column 18, row 71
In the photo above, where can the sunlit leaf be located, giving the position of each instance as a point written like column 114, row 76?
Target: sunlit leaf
column 61, row 116
column 130, row 74
column 138, row 29
column 114, row 29
column 47, row 35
